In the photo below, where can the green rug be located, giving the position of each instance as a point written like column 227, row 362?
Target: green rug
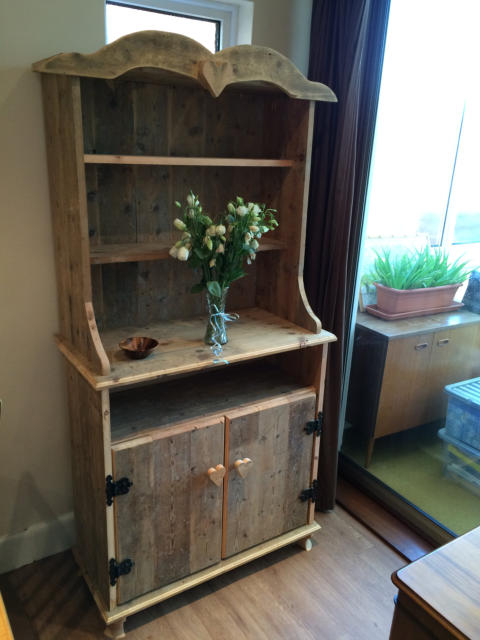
column 412, row 464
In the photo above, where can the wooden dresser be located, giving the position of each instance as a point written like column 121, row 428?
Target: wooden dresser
column 400, row 369
column 439, row 595
column 185, row 466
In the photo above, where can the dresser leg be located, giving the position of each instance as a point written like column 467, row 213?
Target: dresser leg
column 116, row 630
column 305, row 543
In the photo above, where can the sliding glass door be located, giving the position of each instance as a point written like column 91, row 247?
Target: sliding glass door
column 411, row 425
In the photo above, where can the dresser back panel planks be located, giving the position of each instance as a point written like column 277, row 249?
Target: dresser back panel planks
column 184, row 465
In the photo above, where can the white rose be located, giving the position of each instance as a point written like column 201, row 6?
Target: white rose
column 173, row 252
column 212, row 230
column 247, row 237
column 182, row 254
column 220, row 230
column 256, row 209
column 241, row 210
column 179, row 224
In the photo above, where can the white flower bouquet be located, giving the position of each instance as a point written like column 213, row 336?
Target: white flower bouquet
column 218, row 250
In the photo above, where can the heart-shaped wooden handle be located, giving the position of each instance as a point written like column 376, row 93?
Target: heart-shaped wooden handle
column 216, row 474
column 243, row 466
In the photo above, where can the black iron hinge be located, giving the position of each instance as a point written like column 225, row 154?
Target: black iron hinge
column 119, row 569
column 315, row 426
column 117, row 488
column 311, row 493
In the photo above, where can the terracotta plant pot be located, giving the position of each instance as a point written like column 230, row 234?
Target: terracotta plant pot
column 411, row 300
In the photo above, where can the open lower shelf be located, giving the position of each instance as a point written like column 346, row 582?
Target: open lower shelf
column 145, row 408
column 257, row 333
column 137, row 252
column 94, row 158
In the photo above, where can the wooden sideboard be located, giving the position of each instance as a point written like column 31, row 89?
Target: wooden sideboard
column 185, row 465
column 439, row 594
column 400, row 369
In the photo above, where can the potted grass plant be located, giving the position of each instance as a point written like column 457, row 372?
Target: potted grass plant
column 415, row 283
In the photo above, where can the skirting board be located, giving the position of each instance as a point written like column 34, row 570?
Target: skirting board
column 38, row 541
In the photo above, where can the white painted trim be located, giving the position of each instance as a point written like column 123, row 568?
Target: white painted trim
column 38, row 541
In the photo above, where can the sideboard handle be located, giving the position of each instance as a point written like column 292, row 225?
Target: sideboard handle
column 243, row 466
column 422, row 345
column 443, row 342
column 216, row 474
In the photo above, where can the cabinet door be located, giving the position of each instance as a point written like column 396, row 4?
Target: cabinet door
column 170, row 522
column 454, row 358
column 265, row 503
column 403, row 399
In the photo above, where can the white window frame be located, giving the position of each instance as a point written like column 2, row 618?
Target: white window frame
column 235, row 16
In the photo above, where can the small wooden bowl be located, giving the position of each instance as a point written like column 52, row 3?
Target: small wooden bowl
column 138, row 347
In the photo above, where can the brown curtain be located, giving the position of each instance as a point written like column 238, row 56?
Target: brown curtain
column 347, row 46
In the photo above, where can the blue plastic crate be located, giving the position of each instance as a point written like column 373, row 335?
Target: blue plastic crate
column 462, row 461
column 463, row 413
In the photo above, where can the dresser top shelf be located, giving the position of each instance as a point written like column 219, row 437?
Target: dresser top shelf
column 137, row 252
column 171, row 161
column 257, row 333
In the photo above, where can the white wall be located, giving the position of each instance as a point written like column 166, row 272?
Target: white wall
column 35, row 480
column 35, row 485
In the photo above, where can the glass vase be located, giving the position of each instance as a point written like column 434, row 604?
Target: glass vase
column 216, row 333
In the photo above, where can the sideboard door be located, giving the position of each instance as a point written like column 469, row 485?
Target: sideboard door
column 264, row 502
column 170, row 522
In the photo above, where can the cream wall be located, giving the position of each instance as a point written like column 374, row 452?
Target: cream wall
column 35, row 485
column 284, row 25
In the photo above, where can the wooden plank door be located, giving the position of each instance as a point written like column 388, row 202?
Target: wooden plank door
column 265, row 502
column 170, row 522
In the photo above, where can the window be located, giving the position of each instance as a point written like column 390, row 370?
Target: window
column 216, row 25
column 425, row 169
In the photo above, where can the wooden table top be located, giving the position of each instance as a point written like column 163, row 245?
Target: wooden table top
column 446, row 583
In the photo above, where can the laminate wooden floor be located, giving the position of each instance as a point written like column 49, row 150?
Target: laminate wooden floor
column 340, row 590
